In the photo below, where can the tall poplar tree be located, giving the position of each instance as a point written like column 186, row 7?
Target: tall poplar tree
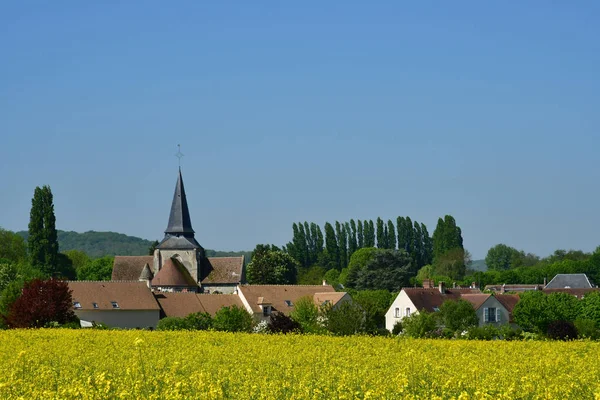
column 303, row 246
column 427, row 246
column 331, row 247
column 408, row 226
column 418, row 245
column 352, row 245
column 360, row 237
column 317, row 234
column 43, row 238
column 380, row 234
column 371, row 234
column 391, row 236
column 343, row 246
column 401, row 227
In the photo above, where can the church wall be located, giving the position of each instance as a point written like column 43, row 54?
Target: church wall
column 187, row 257
column 130, row 319
column 223, row 289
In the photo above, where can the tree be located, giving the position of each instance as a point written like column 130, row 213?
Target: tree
column 351, row 231
column 331, row 248
column 562, row 330
column 375, row 304
column 419, row 325
column 78, row 258
column 369, row 231
column 281, row 323
column 233, row 319
column 360, row 237
column 99, row 269
column 358, row 262
column 458, row 315
column 318, row 238
column 43, row 240
column 381, row 242
column 270, row 267
column 427, row 246
column 199, row 321
column 306, row 313
column 502, row 257
column 590, row 307
column 344, row 319
column 312, row 276
column 391, row 236
column 388, row 269
column 418, row 246
column 342, row 242
column 451, row 264
column 152, row 248
column 446, row 237
column 536, row 310
column 42, row 302
column 172, row 324
column 12, row 246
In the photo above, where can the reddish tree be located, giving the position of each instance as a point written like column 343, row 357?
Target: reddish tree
column 41, row 302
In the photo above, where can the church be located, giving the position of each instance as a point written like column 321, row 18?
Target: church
column 179, row 263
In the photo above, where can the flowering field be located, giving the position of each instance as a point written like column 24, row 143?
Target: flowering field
column 209, row 365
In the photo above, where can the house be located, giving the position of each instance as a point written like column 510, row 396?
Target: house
column 512, row 288
column 263, row 300
column 116, row 304
column 489, row 308
column 179, row 249
column 174, row 304
column 569, row 281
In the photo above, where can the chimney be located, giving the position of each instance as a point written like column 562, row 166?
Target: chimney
column 503, row 290
column 324, row 282
column 427, row 284
column 473, row 285
column 453, row 285
column 545, row 282
column 442, row 287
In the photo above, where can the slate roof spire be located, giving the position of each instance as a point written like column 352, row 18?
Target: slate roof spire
column 180, row 223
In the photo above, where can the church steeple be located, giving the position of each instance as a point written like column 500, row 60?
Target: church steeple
column 180, row 223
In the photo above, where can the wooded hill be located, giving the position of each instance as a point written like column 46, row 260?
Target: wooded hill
column 100, row 244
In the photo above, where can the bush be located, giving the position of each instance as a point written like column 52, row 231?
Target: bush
column 306, row 313
column 172, row 324
column 397, row 329
column 562, row 330
column 233, row 319
column 486, row 332
column 281, row 323
column 200, row 321
column 345, row 319
column 458, row 315
column 587, row 329
column 420, row 325
column 508, row 333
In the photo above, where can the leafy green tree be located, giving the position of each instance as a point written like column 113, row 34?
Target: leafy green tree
column 375, row 304
column 418, row 246
column 43, row 240
column 233, row 319
column 99, row 269
column 317, row 234
column 172, row 324
column 536, row 310
column 391, row 236
column 342, row 241
column 446, row 237
column 358, row 262
column 381, row 239
column 344, row 319
column 199, row 321
column 152, row 248
column 352, row 245
column 590, row 307
column 360, row 237
column 311, row 255
column 303, row 246
column 458, row 315
column 332, row 277
column 419, row 325
column 78, row 258
column 12, row 246
column 331, row 248
column 64, row 267
column 306, row 313
column 272, row 267
column 389, row 269
column 312, row 276
column 427, row 246
column 502, row 257
column 8, row 273
column 402, row 234
column 369, row 229
column 426, row 272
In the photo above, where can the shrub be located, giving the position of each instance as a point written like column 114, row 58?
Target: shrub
column 486, row 332
column 420, row 325
column 281, row 323
column 562, row 330
column 172, row 324
column 345, row 319
column 458, row 315
column 508, row 333
column 233, row 319
column 200, row 321
column 587, row 329
column 397, row 329
column 306, row 313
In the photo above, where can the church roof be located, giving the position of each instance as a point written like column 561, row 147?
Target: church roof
column 173, row 274
column 184, row 304
column 224, row 270
column 283, row 297
column 146, row 273
column 179, row 219
column 129, row 268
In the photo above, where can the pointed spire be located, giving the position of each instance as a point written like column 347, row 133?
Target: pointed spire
column 180, row 223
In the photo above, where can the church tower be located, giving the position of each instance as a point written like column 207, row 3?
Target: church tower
column 179, row 242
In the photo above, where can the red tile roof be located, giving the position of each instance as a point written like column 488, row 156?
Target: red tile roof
column 173, row 274
column 127, row 294
column 430, row 299
column 184, row 304
column 224, row 270
column 129, row 268
column 476, row 300
column 278, row 295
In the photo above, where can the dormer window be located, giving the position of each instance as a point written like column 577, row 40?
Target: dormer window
column 289, row 303
column 266, row 311
column 114, row 304
column 95, row 305
column 77, row 304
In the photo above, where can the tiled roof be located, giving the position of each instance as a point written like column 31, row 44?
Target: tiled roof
column 579, row 293
column 173, row 274
column 569, row 281
column 183, row 304
column 146, row 273
column 476, row 300
column 277, row 295
column 331, row 297
column 514, row 287
column 509, row 301
column 129, row 268
column 223, row 270
column 132, row 295
column 430, row 299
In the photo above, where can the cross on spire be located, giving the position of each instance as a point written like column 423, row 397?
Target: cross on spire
column 179, row 154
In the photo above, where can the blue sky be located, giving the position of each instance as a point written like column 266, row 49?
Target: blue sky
column 316, row 111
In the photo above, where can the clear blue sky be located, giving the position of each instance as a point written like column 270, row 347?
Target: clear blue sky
column 316, row 111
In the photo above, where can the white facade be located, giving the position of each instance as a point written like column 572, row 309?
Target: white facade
column 400, row 308
column 129, row 319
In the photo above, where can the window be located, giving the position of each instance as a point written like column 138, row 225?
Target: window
column 289, row 303
column 266, row 311
column 407, row 312
column 95, row 305
column 114, row 304
column 491, row 314
column 397, row 313
column 76, row 304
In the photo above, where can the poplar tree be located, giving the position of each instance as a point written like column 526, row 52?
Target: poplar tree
column 310, row 244
column 360, row 235
column 401, row 227
column 427, row 246
column 352, row 245
column 303, row 246
column 418, row 245
column 43, row 238
column 317, row 234
column 380, row 234
column 408, row 226
column 371, row 233
column 391, row 236
column 343, row 246
column 331, row 247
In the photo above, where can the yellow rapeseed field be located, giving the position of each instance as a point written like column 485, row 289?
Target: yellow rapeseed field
column 87, row 364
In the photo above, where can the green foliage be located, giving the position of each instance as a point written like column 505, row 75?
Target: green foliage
column 451, row 263
column 332, row 277
column 375, row 304
column 502, row 257
column 536, row 310
column 358, row 262
column 152, row 247
column 199, row 321
column 388, row 269
column 398, row 328
column 419, row 325
column 458, row 315
column 332, row 252
column 590, row 307
column 12, row 247
column 99, row 269
column 587, row 329
column 272, row 267
column 562, row 330
column 485, row 332
column 311, row 276
column 306, row 313
column 381, row 239
column 344, row 319
column 43, row 243
column 281, row 323
column 8, row 273
column 233, row 319
column 78, row 258
column 172, row 324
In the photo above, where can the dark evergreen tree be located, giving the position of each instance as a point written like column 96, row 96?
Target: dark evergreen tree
column 380, row 234
column 317, row 235
column 427, row 245
column 331, row 248
column 351, row 230
column 391, row 235
column 418, row 245
column 43, row 240
column 303, row 246
column 310, row 244
column 402, row 236
column 371, row 234
column 408, row 227
column 360, row 237
column 343, row 246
